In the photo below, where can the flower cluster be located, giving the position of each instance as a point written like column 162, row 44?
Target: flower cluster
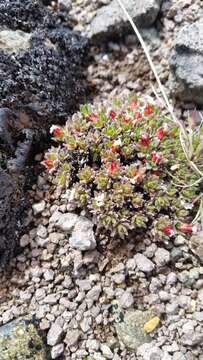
column 127, row 168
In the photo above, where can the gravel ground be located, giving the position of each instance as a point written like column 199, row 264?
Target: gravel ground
column 81, row 299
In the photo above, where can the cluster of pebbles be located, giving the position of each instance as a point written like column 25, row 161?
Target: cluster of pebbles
column 93, row 304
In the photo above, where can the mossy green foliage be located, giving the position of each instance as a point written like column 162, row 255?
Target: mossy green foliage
column 22, row 343
column 128, row 168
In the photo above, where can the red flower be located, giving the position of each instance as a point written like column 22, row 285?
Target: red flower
column 57, row 132
column 138, row 115
column 145, row 140
column 148, row 109
column 168, row 230
column 126, row 119
column 156, row 157
column 186, row 228
column 113, row 166
column 134, row 104
column 48, row 164
column 112, row 114
column 160, row 133
column 92, row 117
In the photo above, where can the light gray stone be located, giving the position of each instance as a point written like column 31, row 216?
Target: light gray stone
column 143, row 263
column 40, row 294
column 94, row 293
column 179, row 240
column 191, row 337
column 106, row 351
column 85, row 324
column 92, row 344
column 24, row 240
column 66, row 222
column 126, row 300
column 57, row 351
column 82, row 237
column 184, row 301
column 50, row 299
column 162, row 257
column 72, row 337
column 149, row 351
column 172, row 308
column 171, row 278
column 164, row 296
column 25, row 295
column 179, row 356
column 42, row 231
column 118, row 278
column 38, row 207
column 14, row 41
column 55, row 334
column 84, row 285
column 49, row 275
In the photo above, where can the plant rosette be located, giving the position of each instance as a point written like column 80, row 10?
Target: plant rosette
column 128, row 169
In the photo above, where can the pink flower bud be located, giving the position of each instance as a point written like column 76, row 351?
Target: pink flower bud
column 160, row 133
column 126, row 119
column 186, row 228
column 134, row 104
column 113, row 166
column 112, row 114
column 148, row 109
column 156, row 157
column 138, row 115
column 49, row 164
column 168, row 230
column 145, row 140
column 92, row 117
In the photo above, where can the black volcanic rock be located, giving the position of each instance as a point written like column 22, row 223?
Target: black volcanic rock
column 41, row 83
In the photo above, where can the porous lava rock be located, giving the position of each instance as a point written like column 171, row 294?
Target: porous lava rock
column 41, row 82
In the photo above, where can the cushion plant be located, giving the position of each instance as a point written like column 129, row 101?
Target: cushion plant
column 128, row 169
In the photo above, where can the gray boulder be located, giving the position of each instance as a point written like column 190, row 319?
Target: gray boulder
column 111, row 22
column 186, row 62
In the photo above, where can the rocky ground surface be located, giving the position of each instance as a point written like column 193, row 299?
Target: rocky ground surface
column 142, row 300
column 120, row 65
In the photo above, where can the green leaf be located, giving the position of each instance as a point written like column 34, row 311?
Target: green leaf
column 85, row 110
